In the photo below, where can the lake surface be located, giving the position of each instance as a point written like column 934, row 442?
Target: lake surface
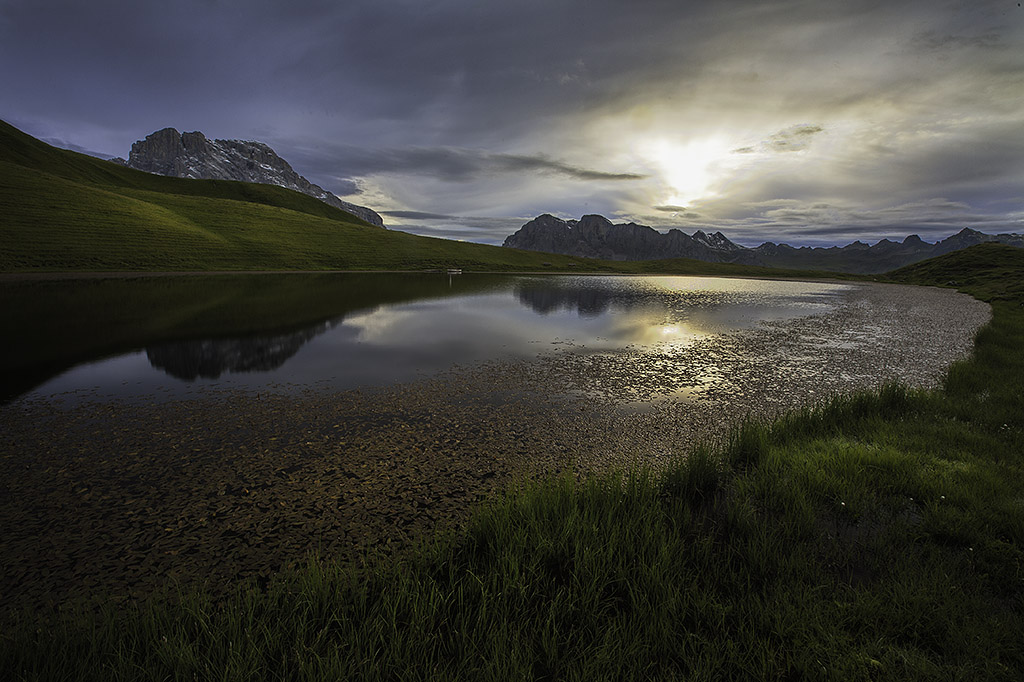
column 215, row 428
column 374, row 329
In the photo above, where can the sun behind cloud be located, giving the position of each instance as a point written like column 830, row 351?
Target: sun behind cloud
column 692, row 169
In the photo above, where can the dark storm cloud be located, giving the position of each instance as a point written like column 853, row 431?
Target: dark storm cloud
column 935, row 42
column 345, row 187
column 435, row 110
column 474, row 70
column 508, row 65
column 518, row 163
column 418, row 215
column 449, row 164
column 678, row 212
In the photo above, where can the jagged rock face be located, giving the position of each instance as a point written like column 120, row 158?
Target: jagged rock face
column 162, row 153
column 192, row 155
column 594, row 236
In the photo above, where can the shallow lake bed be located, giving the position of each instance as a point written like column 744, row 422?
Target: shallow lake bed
column 118, row 492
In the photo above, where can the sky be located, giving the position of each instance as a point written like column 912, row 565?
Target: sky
column 802, row 121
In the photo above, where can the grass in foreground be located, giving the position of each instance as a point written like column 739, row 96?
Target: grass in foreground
column 878, row 536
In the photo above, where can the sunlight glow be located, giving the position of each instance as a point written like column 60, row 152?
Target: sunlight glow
column 671, row 334
column 691, row 169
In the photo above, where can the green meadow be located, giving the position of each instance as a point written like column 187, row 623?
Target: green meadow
column 872, row 537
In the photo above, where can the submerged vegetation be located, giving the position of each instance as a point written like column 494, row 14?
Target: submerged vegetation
column 875, row 536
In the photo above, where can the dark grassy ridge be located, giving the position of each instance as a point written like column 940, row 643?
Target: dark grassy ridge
column 991, row 272
column 878, row 536
column 61, row 211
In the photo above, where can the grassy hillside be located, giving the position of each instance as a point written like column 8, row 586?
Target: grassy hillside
column 23, row 150
column 992, row 272
column 63, row 211
column 878, row 536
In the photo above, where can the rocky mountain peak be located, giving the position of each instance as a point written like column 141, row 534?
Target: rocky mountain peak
column 193, row 155
column 161, row 152
column 595, row 236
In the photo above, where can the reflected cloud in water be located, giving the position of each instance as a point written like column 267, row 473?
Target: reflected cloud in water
column 483, row 318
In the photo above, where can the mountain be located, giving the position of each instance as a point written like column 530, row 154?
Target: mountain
column 594, row 236
column 882, row 256
column 192, row 155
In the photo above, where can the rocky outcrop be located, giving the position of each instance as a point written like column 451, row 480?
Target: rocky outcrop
column 594, row 236
column 193, row 155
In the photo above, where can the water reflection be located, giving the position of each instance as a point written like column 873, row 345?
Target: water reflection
column 546, row 296
column 59, row 324
column 343, row 331
column 210, row 358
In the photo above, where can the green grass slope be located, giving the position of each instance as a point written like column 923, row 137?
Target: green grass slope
column 876, row 537
column 992, row 272
column 23, row 150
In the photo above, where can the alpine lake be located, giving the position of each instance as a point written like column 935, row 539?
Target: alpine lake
column 221, row 427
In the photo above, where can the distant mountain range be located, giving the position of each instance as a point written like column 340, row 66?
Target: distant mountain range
column 193, row 155
column 595, row 236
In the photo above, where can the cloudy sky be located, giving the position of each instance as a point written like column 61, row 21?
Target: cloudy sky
column 806, row 121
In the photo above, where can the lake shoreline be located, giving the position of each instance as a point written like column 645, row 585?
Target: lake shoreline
column 141, row 274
